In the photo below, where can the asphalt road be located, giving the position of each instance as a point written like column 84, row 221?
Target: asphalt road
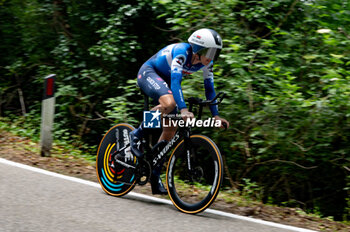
column 32, row 201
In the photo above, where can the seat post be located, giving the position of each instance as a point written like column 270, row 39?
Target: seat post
column 146, row 101
column 147, row 138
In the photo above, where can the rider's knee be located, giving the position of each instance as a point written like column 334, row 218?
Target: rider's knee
column 169, row 107
column 168, row 103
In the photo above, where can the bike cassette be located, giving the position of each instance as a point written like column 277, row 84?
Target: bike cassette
column 144, row 172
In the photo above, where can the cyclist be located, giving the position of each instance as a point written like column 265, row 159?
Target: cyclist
column 160, row 78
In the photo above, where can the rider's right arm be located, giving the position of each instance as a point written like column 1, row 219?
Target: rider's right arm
column 177, row 63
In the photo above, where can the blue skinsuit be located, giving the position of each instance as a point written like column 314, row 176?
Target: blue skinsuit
column 168, row 67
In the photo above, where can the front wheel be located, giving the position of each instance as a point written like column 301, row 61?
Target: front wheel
column 193, row 188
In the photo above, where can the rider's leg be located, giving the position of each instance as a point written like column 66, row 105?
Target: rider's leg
column 156, row 88
column 156, row 183
column 166, row 106
column 168, row 132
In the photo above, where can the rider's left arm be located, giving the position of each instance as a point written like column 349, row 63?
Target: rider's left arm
column 210, row 93
column 208, row 77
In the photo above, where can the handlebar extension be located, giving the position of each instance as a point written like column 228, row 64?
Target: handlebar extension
column 197, row 101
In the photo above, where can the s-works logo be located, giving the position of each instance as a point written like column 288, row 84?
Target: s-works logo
column 151, row 119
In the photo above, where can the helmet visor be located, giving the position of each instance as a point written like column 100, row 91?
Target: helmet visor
column 210, row 53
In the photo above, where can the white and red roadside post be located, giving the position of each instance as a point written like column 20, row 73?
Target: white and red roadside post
column 47, row 115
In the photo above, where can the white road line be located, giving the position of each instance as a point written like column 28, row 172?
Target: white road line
column 142, row 196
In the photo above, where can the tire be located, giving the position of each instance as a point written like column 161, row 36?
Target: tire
column 193, row 193
column 116, row 181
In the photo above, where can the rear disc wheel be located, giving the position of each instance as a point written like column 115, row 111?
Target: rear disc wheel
column 116, row 179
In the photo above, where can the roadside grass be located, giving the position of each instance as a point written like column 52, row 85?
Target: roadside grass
column 64, row 147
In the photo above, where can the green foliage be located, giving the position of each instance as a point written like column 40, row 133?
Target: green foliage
column 250, row 190
column 121, row 109
column 285, row 67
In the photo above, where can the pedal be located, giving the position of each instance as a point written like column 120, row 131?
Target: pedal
column 144, row 172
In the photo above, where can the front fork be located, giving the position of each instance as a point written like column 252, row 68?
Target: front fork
column 188, row 147
column 194, row 171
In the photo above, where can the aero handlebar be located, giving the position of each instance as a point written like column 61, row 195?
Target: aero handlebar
column 197, row 101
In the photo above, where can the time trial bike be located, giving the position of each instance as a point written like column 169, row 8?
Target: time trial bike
column 194, row 169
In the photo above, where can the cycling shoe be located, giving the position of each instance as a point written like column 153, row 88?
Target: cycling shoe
column 135, row 145
column 157, row 185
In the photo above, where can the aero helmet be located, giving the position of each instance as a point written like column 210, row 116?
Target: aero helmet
column 206, row 42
